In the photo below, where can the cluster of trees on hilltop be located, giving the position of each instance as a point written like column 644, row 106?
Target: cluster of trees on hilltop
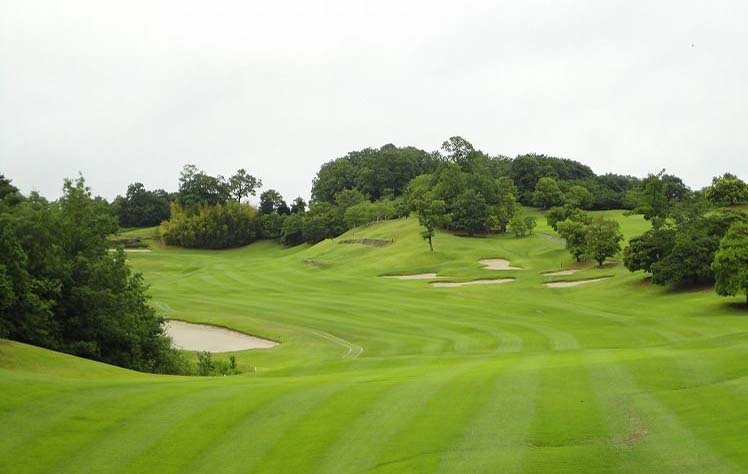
column 387, row 171
column 458, row 188
column 694, row 238
column 62, row 289
column 480, row 194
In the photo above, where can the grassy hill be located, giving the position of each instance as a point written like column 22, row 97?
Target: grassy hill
column 383, row 375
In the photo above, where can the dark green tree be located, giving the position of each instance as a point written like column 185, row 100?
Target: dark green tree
column 547, row 193
column 579, row 197
column 470, row 213
column 602, row 240
column 730, row 264
column 271, row 202
column 292, row 232
column 432, row 213
column 522, row 225
column 649, row 248
column 243, row 184
column 727, row 190
column 574, row 233
column 298, row 206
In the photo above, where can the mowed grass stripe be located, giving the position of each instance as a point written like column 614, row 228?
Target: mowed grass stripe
column 358, row 448
column 134, row 435
column 496, row 438
column 568, row 429
column 420, row 444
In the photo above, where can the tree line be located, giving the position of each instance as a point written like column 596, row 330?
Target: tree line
column 696, row 237
column 479, row 193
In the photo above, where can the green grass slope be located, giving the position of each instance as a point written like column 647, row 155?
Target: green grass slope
column 383, row 375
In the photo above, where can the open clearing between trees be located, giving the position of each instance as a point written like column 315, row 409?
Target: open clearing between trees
column 379, row 375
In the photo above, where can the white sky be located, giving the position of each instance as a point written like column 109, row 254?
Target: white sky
column 131, row 91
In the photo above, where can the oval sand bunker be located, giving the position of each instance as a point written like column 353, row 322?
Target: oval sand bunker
column 453, row 284
column 203, row 337
column 561, row 273
column 418, row 276
column 567, row 284
column 497, row 264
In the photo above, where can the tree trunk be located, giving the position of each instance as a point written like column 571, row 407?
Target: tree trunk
column 431, row 247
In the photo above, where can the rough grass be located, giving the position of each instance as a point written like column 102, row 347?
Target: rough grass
column 378, row 374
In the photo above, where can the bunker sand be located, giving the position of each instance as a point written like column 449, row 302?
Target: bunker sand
column 454, row 284
column 567, row 284
column 417, row 276
column 497, row 264
column 203, row 337
column 561, row 273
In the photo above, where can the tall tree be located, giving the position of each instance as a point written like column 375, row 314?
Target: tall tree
column 470, row 213
column 731, row 262
column 603, row 240
column 547, row 193
column 579, row 197
column 432, row 213
column 298, row 206
column 271, row 202
column 198, row 188
column 727, row 190
column 243, row 184
column 657, row 195
column 457, row 150
column 574, row 233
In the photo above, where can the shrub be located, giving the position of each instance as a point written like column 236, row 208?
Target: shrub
column 211, row 227
column 522, row 225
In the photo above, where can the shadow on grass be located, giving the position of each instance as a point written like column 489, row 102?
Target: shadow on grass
column 738, row 307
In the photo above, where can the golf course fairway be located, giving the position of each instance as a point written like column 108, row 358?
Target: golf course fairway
column 385, row 375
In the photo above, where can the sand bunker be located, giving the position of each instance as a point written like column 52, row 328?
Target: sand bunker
column 567, row 284
column 497, row 264
column 203, row 337
column 417, row 276
column 453, row 284
column 561, row 273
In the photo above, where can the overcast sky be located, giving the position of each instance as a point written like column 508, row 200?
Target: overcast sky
column 131, row 91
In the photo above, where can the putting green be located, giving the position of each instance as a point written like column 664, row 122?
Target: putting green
column 383, row 375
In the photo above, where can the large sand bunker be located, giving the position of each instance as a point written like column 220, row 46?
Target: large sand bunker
column 453, row 284
column 203, row 337
column 567, row 284
column 497, row 264
column 561, row 273
column 417, row 276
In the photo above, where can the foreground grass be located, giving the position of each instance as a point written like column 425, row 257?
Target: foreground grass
column 383, row 375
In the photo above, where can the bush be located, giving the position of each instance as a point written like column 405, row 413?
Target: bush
column 522, row 225
column 271, row 225
column 211, row 227
column 207, row 366
column 292, row 232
